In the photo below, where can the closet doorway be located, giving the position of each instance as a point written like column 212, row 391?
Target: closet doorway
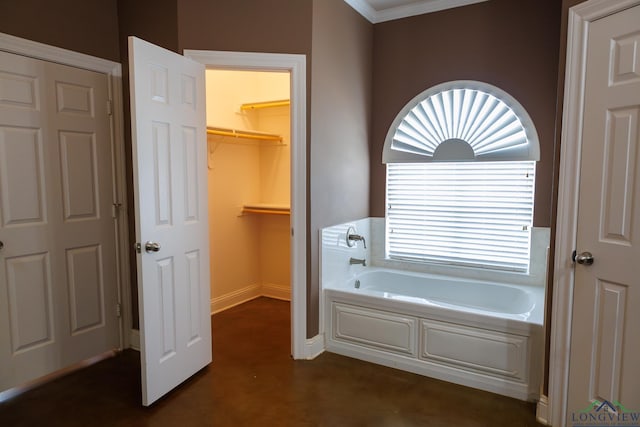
column 295, row 66
column 249, row 181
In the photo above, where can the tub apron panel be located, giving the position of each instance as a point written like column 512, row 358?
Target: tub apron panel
column 476, row 346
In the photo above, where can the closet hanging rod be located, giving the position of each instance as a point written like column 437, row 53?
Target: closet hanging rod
column 243, row 134
column 267, row 104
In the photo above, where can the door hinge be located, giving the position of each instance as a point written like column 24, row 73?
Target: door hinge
column 109, row 108
column 118, row 310
column 138, row 248
column 115, row 210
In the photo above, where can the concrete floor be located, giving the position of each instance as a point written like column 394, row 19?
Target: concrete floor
column 254, row 382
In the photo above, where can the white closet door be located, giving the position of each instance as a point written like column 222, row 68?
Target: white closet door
column 58, row 289
column 170, row 179
column 605, row 336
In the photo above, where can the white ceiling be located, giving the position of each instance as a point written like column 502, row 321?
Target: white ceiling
column 386, row 10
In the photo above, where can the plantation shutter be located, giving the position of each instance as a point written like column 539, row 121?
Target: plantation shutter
column 475, row 214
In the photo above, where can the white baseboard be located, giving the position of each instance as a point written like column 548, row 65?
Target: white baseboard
column 226, row 301
column 314, row 347
column 542, row 410
column 134, row 339
column 272, row 290
column 18, row 390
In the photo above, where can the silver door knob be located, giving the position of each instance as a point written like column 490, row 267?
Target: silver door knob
column 152, row 247
column 584, row 258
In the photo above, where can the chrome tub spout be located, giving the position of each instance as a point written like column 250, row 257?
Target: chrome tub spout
column 362, row 261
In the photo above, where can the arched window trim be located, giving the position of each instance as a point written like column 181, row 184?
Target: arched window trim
column 530, row 150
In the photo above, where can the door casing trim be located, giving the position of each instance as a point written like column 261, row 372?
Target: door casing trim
column 296, row 65
column 113, row 70
column 580, row 18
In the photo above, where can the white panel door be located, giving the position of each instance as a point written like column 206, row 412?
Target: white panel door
column 58, row 287
column 170, row 180
column 605, row 337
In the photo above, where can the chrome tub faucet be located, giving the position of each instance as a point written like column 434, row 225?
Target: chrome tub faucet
column 353, row 237
column 358, row 238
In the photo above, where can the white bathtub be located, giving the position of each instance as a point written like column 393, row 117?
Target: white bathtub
column 483, row 298
column 476, row 333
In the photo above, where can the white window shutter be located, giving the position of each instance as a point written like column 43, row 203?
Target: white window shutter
column 489, row 121
column 476, row 214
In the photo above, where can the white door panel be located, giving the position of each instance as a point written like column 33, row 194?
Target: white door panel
column 606, row 324
column 58, row 288
column 168, row 127
column 86, row 235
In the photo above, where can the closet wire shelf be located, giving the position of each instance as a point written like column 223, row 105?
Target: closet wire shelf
column 246, row 134
column 262, row 208
column 266, row 104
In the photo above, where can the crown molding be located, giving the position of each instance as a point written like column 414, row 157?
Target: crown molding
column 425, row 6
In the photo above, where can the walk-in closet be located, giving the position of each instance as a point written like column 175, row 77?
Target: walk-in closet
column 248, row 149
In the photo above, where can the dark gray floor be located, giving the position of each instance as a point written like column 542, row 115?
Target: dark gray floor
column 253, row 382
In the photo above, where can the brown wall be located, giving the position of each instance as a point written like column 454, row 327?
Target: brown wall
column 340, row 126
column 152, row 20
column 86, row 26
column 510, row 44
column 275, row 26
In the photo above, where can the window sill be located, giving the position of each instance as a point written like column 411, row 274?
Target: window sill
column 537, row 271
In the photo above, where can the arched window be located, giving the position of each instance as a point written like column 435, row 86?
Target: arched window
column 460, row 178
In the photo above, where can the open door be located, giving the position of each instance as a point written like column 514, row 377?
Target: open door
column 170, row 191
